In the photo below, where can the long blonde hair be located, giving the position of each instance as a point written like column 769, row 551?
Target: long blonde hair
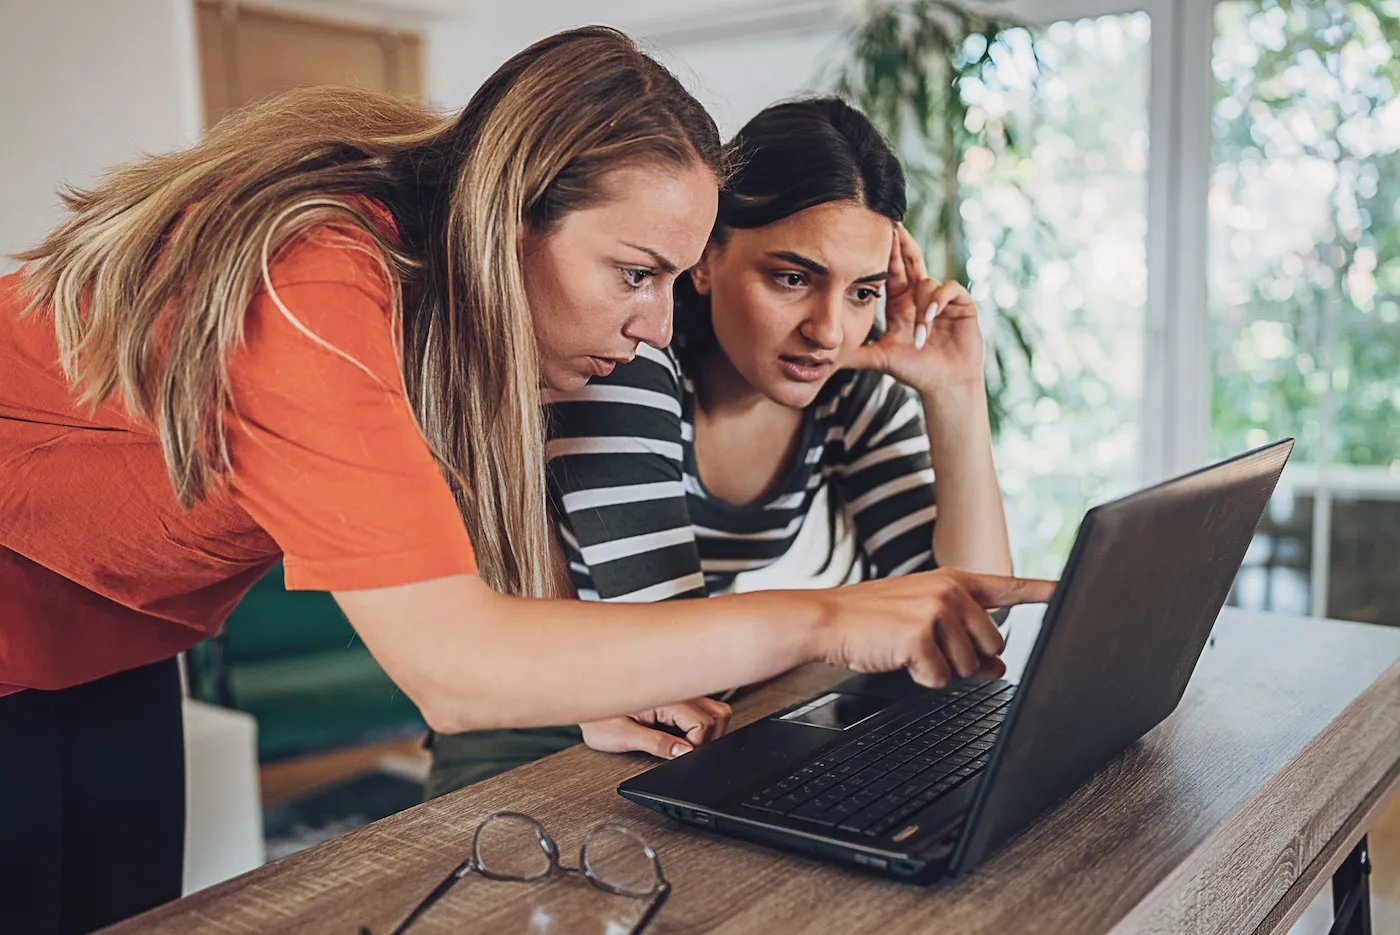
column 149, row 279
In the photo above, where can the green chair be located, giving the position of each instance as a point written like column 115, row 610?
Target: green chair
column 291, row 659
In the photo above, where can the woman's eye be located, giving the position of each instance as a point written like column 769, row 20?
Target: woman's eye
column 634, row 276
column 791, row 280
column 867, row 295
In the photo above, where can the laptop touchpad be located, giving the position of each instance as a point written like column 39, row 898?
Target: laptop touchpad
column 836, row 710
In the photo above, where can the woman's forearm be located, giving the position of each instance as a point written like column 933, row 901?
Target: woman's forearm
column 524, row 663
column 472, row 659
column 970, row 532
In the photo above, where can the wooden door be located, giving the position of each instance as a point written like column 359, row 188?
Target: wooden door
column 248, row 53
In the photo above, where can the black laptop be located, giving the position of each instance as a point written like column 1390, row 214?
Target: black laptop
column 920, row 785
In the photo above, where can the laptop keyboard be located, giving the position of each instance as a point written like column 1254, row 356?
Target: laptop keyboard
column 882, row 777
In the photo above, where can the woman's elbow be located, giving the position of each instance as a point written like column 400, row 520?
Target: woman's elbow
column 456, row 714
column 468, row 705
column 448, row 719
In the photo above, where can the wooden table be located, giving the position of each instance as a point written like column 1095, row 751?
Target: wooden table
column 1228, row 818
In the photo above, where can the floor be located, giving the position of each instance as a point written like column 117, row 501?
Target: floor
column 289, row 779
column 315, row 798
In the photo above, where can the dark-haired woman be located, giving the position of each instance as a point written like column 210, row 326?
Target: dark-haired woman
column 690, row 465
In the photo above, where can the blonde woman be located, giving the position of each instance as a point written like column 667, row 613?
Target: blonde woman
column 321, row 335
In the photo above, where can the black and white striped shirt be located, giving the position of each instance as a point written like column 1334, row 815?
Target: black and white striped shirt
column 638, row 525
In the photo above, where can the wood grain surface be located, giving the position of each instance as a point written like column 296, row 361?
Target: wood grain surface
column 1218, row 820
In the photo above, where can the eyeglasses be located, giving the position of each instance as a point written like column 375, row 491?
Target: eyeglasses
column 515, row 848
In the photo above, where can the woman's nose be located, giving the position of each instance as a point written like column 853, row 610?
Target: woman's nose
column 823, row 326
column 652, row 324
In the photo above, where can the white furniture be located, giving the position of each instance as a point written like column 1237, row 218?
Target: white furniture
column 223, row 828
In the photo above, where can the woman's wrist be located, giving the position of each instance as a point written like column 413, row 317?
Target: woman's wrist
column 806, row 622
column 957, row 413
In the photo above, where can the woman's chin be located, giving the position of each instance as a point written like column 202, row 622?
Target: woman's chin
column 563, row 379
column 792, row 394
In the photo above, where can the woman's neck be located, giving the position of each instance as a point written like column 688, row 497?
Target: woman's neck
column 721, row 392
column 744, row 442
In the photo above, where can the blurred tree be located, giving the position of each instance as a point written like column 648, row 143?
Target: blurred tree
column 907, row 67
column 1305, row 207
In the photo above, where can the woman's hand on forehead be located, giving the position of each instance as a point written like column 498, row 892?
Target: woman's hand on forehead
column 932, row 339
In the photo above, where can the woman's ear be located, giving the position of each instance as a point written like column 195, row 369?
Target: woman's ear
column 700, row 273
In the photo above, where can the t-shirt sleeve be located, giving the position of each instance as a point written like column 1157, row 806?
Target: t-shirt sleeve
column 886, row 477
column 326, row 454
column 615, row 476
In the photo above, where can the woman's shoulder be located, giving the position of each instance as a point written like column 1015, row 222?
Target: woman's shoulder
column 338, row 252
column 652, row 370
column 328, row 296
column 659, row 366
column 850, row 392
column 640, row 400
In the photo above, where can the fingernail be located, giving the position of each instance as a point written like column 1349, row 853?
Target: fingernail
column 920, row 336
column 679, row 749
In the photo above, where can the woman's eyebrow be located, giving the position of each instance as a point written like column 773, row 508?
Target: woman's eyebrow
column 797, row 259
column 817, row 269
column 661, row 261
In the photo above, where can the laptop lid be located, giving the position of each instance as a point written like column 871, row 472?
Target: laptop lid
column 1144, row 583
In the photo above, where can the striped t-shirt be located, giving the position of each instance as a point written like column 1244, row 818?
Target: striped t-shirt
column 638, row 524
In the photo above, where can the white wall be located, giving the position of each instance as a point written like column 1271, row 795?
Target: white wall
column 90, row 84
column 87, row 84
column 737, row 79
column 736, row 57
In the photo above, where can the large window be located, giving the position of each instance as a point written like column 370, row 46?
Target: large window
column 1199, row 232
column 1057, row 236
column 1304, row 275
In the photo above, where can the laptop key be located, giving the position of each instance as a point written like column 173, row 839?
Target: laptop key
column 839, row 757
column 842, row 810
column 861, row 820
column 788, row 802
column 819, row 816
column 860, row 764
column 925, row 797
column 859, row 801
column 886, row 824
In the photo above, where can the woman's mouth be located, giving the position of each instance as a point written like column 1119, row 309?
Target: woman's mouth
column 805, row 368
column 602, row 366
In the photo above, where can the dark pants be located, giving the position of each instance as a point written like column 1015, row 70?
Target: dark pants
column 462, row 759
column 92, row 801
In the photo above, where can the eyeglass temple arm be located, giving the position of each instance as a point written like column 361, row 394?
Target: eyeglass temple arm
column 658, row 900
column 426, row 902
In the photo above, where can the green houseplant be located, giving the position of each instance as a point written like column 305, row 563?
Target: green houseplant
column 905, row 66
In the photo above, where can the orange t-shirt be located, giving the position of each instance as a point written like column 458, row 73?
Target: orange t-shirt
column 100, row 568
